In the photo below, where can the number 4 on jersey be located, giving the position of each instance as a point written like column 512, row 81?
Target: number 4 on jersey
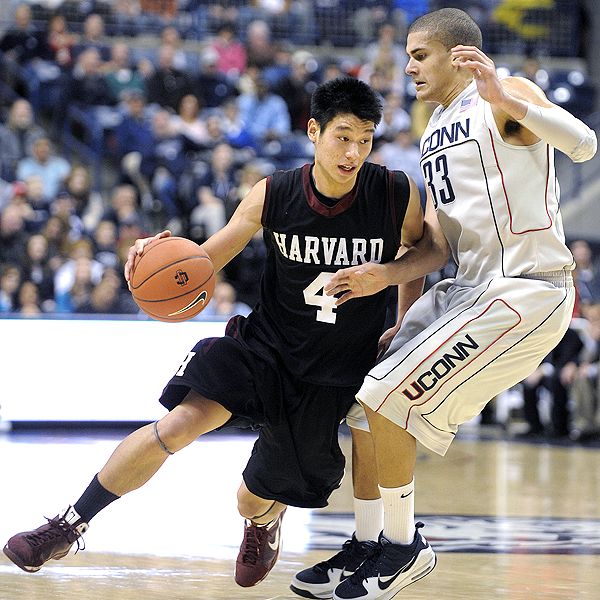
column 315, row 296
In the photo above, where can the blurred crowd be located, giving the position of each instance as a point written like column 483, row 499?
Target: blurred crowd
column 103, row 141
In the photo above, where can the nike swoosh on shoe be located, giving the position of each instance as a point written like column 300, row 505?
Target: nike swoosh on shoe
column 384, row 583
column 275, row 545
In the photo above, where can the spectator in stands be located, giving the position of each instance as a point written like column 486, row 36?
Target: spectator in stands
column 585, row 391
column 162, row 164
column 90, row 93
column 105, row 240
column 89, row 204
column 235, row 130
column 51, row 168
column 127, row 15
column 57, row 235
column 395, row 119
column 532, row 69
column 231, row 53
column 7, row 190
column 64, row 207
column 260, row 50
column 168, row 85
column 556, row 373
column 59, row 42
column 332, row 23
column 10, row 281
column 245, row 270
column 386, row 59
column 297, row 88
column 163, row 10
column 169, row 36
column 587, row 272
column 120, row 74
column 75, row 279
column 123, row 205
column 134, row 132
column 77, row 291
column 107, row 298
column 188, row 123
column 212, row 87
column 22, row 41
column 16, row 137
column 376, row 29
column 28, row 300
column 265, row 112
column 213, row 190
column 36, row 268
column 401, row 154
column 28, row 197
column 93, row 37
column 331, row 70
column 224, row 303
column 13, row 236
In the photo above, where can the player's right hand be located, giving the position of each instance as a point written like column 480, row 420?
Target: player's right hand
column 138, row 248
column 355, row 282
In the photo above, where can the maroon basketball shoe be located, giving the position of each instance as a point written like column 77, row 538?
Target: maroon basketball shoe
column 29, row 550
column 259, row 551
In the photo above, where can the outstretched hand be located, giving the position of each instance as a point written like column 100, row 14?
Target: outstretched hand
column 483, row 69
column 138, row 248
column 355, row 282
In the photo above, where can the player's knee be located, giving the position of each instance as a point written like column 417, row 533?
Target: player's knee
column 254, row 508
column 248, row 504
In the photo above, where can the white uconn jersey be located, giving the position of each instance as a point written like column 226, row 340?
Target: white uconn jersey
column 497, row 203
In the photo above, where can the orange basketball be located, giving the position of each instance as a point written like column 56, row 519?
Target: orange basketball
column 173, row 280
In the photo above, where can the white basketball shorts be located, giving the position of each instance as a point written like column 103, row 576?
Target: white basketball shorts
column 458, row 347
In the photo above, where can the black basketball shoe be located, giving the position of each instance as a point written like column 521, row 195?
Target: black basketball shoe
column 390, row 569
column 320, row 581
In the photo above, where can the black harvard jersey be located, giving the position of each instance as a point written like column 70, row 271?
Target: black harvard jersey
column 307, row 241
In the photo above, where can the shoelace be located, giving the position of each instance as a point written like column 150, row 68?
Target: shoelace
column 360, row 574
column 350, row 547
column 56, row 528
column 252, row 540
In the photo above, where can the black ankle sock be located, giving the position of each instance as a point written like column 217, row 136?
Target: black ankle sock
column 93, row 500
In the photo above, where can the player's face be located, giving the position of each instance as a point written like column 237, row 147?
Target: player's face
column 430, row 66
column 340, row 151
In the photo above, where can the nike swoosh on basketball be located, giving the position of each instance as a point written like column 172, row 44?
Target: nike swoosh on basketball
column 201, row 297
column 385, row 582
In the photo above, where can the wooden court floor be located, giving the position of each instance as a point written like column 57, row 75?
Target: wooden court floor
column 508, row 520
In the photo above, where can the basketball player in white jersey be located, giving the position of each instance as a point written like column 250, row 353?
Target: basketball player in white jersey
column 488, row 164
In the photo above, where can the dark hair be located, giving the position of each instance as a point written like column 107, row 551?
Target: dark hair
column 342, row 96
column 450, row 27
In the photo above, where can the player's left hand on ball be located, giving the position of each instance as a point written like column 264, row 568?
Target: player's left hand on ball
column 356, row 282
column 138, row 248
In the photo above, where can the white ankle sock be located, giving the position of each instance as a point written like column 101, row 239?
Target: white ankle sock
column 399, row 513
column 369, row 519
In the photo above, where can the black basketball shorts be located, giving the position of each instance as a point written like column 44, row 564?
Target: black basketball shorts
column 296, row 458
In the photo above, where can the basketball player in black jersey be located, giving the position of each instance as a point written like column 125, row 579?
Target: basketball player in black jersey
column 292, row 367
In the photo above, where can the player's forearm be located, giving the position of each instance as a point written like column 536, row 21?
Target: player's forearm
column 553, row 124
column 429, row 254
